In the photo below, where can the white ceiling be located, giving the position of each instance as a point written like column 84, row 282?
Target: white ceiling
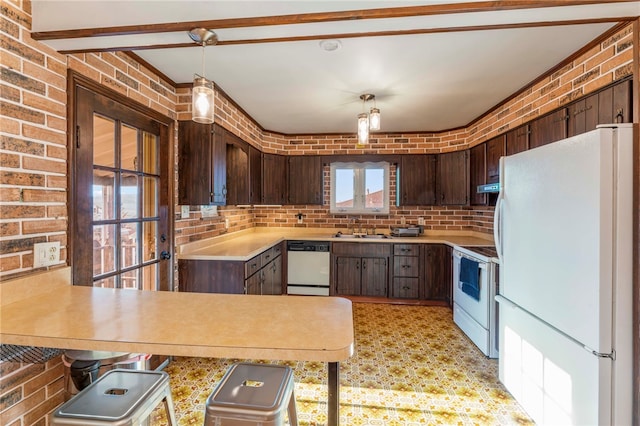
column 422, row 82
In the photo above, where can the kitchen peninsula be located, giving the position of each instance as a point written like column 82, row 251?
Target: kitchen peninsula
column 51, row 313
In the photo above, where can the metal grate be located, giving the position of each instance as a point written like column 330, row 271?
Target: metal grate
column 27, row 354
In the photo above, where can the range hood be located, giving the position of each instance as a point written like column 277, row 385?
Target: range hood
column 489, row 188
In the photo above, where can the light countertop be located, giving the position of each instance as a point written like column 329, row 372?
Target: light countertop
column 244, row 245
column 36, row 312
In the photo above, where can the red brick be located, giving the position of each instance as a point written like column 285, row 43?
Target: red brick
column 42, row 74
column 56, row 123
column 21, row 211
column 10, row 161
column 39, row 413
column 14, row 14
column 10, row 194
column 44, row 104
column 44, row 165
column 57, row 151
column 43, row 226
column 57, row 211
column 56, row 181
column 21, row 113
column 9, row 93
column 43, row 196
column 44, row 134
column 9, row 263
column 8, row 125
column 21, row 179
column 104, row 67
column 48, row 376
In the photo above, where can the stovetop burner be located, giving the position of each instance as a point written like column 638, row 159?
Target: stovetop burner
column 489, row 251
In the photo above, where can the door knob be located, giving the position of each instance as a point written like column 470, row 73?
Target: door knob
column 165, row 255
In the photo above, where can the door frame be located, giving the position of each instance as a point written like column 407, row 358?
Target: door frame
column 167, row 156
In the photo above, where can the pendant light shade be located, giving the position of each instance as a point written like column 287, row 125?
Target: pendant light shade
column 363, row 129
column 374, row 119
column 202, row 100
column 202, row 94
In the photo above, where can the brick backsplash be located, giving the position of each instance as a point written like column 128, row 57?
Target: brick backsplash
column 33, row 152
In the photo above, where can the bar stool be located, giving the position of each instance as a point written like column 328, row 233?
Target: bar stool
column 119, row 397
column 252, row 394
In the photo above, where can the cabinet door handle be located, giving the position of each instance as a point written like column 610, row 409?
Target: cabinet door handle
column 364, row 264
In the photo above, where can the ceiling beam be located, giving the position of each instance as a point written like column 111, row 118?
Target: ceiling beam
column 354, row 35
column 307, row 18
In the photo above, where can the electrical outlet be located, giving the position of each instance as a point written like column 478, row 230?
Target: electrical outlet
column 226, row 223
column 184, row 212
column 421, row 221
column 45, row 254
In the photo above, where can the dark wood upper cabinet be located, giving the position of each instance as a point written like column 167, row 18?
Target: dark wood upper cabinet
column 202, row 160
column 548, row 128
column 477, row 173
column 614, row 103
column 582, row 115
column 274, row 176
column 237, row 174
column 417, row 180
column 452, row 181
column 305, row 179
column 495, row 150
column 255, row 175
column 517, row 140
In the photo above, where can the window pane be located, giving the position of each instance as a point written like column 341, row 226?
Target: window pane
column 129, row 280
column 344, row 187
column 149, row 274
column 149, row 153
column 149, row 249
column 129, row 245
column 129, row 196
column 374, row 188
column 128, row 148
column 106, row 283
column 103, row 249
column 104, row 205
column 150, row 207
column 104, row 137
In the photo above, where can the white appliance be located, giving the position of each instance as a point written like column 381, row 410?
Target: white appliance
column 308, row 264
column 476, row 316
column 564, row 237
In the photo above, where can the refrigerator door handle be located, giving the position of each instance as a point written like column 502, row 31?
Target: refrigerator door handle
column 611, row 355
column 497, row 223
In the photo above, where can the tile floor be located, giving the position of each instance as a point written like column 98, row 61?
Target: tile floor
column 412, row 366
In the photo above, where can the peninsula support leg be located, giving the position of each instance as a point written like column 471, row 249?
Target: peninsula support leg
column 334, row 394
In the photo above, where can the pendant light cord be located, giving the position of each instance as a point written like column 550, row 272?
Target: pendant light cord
column 203, row 46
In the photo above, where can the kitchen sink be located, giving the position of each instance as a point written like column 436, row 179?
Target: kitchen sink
column 366, row 237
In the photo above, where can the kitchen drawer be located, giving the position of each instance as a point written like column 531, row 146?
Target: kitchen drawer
column 361, row 249
column 277, row 250
column 267, row 256
column 252, row 266
column 406, row 249
column 406, row 288
column 406, row 266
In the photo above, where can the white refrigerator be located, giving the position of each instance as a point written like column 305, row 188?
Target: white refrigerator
column 563, row 227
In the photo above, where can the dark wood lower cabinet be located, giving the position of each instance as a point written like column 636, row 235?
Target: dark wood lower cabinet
column 438, row 273
column 259, row 275
column 361, row 269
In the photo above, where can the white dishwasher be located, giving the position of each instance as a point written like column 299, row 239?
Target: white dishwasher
column 308, row 264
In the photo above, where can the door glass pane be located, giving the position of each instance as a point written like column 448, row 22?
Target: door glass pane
column 149, row 249
column 104, row 138
column 149, row 277
column 129, row 196
column 103, row 249
column 374, row 187
column 150, row 204
column 106, row 283
column 129, row 148
column 344, row 187
column 129, row 280
column 104, row 204
column 129, row 246
column 149, row 153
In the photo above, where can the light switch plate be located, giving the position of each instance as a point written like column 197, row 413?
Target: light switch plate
column 46, row 254
column 184, row 212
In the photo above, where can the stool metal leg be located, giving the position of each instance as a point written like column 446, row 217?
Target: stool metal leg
column 291, row 410
column 168, row 406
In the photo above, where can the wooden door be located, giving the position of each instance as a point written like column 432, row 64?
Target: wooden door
column 237, row 175
column 347, row 276
column 452, row 181
column 517, row 140
column 122, row 200
column 219, row 163
column 255, row 176
column 438, row 273
column 417, row 178
column 495, row 150
column 549, row 128
column 274, row 175
column 614, row 104
column 254, row 283
column 305, row 179
column 582, row 115
column 374, row 276
column 194, row 163
column 477, row 173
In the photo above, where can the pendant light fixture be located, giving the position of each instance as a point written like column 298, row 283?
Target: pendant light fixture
column 367, row 122
column 202, row 103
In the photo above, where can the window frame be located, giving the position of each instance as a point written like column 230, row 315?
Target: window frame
column 359, row 187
